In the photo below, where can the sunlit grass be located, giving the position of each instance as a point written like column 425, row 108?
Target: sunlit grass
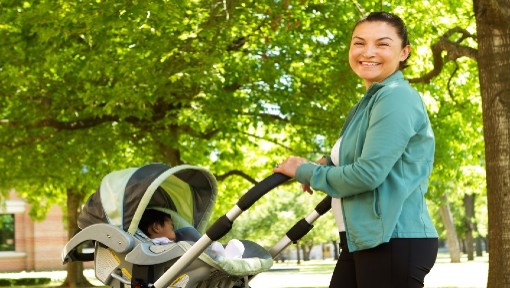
column 455, row 271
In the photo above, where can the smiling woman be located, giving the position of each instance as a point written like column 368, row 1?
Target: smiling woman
column 378, row 171
column 377, row 50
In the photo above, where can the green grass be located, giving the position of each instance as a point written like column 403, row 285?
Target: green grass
column 286, row 269
column 25, row 282
column 314, row 267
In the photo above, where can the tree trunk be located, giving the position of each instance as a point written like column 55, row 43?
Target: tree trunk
column 75, row 277
column 171, row 155
column 451, row 234
column 335, row 249
column 298, row 251
column 479, row 243
column 470, row 223
column 307, row 249
column 493, row 32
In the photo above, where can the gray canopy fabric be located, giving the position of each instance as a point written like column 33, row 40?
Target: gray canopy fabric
column 123, row 196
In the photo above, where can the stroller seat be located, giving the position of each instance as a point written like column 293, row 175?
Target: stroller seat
column 255, row 259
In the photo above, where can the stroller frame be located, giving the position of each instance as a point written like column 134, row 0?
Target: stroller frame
column 109, row 238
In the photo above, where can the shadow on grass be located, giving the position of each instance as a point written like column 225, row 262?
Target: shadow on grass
column 33, row 282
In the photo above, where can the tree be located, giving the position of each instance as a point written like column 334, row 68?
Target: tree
column 493, row 58
column 493, row 34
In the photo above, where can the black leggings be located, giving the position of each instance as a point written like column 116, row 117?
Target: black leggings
column 400, row 263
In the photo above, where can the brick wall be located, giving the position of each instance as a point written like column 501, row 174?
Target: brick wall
column 38, row 244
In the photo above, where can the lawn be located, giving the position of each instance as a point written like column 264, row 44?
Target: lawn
column 309, row 274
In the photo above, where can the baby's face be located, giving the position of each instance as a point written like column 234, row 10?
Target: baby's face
column 167, row 230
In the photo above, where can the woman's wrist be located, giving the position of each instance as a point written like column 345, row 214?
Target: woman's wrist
column 324, row 160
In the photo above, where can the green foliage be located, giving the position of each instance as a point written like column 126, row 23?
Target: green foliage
column 271, row 217
column 87, row 88
column 24, row 281
column 6, row 232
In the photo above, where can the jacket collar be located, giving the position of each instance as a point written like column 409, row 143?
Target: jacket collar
column 378, row 85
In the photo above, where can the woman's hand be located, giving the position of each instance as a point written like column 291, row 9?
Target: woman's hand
column 307, row 188
column 289, row 166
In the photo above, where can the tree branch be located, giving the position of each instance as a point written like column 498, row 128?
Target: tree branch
column 273, row 141
column 360, row 9
column 238, row 43
column 236, row 173
column 454, row 51
column 91, row 122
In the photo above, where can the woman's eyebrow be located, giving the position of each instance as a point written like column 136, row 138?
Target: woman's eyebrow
column 385, row 38
column 380, row 39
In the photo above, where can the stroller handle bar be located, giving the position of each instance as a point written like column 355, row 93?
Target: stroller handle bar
column 221, row 227
column 302, row 227
column 259, row 190
column 224, row 224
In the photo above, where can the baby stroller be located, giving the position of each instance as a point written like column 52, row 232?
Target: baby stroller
column 124, row 257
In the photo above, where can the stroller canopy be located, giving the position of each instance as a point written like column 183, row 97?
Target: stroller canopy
column 124, row 195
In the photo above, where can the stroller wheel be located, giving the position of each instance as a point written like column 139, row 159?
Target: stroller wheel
column 241, row 283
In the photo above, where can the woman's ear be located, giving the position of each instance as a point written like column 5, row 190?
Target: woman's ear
column 405, row 53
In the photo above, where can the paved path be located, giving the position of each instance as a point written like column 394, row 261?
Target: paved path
column 471, row 274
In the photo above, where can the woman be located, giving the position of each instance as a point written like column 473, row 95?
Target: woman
column 379, row 168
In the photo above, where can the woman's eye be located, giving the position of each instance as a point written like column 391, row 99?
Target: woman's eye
column 384, row 44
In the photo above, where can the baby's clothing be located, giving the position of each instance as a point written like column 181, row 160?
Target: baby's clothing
column 161, row 240
column 233, row 250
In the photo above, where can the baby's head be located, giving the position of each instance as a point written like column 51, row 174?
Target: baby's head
column 157, row 224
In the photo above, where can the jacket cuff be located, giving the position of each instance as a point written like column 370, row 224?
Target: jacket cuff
column 304, row 172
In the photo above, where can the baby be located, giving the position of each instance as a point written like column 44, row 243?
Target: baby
column 159, row 227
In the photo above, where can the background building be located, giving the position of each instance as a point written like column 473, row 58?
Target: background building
column 27, row 245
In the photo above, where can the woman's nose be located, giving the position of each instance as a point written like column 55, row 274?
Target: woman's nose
column 369, row 51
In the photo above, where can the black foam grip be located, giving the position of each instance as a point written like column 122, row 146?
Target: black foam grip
column 219, row 228
column 300, row 229
column 324, row 206
column 259, row 190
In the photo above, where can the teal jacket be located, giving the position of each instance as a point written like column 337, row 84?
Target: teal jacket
column 385, row 161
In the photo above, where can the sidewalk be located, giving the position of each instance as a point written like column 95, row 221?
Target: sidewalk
column 466, row 274
column 472, row 274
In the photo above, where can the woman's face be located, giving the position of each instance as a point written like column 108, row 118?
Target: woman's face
column 376, row 51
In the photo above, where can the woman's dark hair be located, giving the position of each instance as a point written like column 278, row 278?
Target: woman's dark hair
column 394, row 21
column 151, row 216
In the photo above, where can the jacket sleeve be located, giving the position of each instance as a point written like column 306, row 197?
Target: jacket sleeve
column 393, row 119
